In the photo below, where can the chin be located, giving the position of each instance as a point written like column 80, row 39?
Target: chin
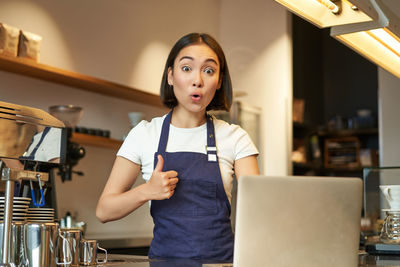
column 196, row 108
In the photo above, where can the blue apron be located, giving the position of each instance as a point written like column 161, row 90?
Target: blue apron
column 194, row 222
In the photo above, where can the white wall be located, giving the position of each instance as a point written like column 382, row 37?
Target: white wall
column 257, row 43
column 389, row 123
column 122, row 41
column 127, row 42
column 389, row 129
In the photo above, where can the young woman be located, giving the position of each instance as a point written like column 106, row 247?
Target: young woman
column 187, row 157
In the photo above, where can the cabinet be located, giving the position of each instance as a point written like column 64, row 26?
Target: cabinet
column 331, row 92
column 334, row 153
column 47, row 73
column 342, row 152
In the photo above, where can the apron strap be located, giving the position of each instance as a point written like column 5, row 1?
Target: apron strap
column 162, row 144
column 33, row 153
column 211, row 146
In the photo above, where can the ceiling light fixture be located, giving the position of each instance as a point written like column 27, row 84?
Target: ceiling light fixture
column 330, row 5
column 326, row 13
column 377, row 40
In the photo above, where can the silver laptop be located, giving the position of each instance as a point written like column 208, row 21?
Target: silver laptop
column 297, row 221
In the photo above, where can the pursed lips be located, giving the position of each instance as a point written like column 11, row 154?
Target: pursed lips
column 196, row 97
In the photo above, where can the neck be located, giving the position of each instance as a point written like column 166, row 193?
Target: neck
column 183, row 119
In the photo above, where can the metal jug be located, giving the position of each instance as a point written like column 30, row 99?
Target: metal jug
column 41, row 242
column 88, row 253
column 17, row 252
column 74, row 237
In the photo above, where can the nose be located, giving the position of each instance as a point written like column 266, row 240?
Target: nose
column 197, row 79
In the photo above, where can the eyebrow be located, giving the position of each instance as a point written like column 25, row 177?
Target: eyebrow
column 191, row 58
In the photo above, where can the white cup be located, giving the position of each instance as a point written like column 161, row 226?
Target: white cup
column 135, row 118
column 392, row 195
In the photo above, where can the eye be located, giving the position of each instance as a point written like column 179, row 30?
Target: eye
column 209, row 71
column 185, row 68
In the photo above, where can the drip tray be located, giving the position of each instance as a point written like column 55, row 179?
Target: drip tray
column 383, row 249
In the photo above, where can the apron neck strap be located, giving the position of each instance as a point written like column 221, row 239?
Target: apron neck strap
column 162, row 145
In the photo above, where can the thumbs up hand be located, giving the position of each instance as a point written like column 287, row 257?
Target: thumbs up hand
column 162, row 184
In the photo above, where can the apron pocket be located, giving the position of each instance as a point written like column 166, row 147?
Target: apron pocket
column 206, row 195
column 192, row 198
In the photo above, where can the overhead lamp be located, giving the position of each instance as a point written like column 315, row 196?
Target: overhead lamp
column 377, row 40
column 326, row 13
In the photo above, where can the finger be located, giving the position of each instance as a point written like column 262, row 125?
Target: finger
column 171, row 174
column 160, row 164
column 173, row 181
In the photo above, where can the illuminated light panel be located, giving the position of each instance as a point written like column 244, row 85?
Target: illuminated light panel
column 387, row 39
column 379, row 46
column 319, row 12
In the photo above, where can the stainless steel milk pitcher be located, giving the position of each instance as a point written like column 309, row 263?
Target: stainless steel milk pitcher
column 88, row 253
column 17, row 252
column 41, row 241
column 74, row 237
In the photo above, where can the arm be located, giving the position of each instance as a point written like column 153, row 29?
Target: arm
column 246, row 166
column 119, row 199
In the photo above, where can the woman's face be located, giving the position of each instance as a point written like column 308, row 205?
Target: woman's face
column 195, row 77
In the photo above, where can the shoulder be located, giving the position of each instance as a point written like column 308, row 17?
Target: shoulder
column 147, row 127
column 143, row 134
column 224, row 129
column 232, row 137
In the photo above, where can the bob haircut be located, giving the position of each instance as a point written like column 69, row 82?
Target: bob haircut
column 223, row 97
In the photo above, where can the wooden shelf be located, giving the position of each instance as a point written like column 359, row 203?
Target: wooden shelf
column 51, row 74
column 93, row 140
column 349, row 132
column 319, row 167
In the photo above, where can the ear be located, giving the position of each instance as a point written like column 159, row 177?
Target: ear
column 170, row 76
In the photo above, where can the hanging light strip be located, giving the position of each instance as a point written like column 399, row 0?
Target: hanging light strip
column 387, row 39
column 326, row 13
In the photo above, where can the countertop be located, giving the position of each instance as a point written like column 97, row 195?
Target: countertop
column 110, row 243
column 142, row 261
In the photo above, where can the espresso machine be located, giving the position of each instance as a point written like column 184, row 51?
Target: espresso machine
column 32, row 142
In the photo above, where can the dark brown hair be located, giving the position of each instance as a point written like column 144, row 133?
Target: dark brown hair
column 223, row 97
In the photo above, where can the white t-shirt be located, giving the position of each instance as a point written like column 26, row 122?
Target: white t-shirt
column 232, row 143
column 49, row 148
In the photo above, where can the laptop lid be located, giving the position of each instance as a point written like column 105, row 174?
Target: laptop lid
column 297, row 221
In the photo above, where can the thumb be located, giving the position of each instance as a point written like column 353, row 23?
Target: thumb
column 160, row 164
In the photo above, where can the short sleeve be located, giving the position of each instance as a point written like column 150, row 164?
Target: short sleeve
column 244, row 145
column 131, row 148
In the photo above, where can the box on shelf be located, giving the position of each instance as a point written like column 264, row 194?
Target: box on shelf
column 8, row 40
column 29, row 45
column 342, row 152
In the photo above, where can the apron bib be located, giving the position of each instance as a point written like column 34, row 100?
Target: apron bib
column 194, row 222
